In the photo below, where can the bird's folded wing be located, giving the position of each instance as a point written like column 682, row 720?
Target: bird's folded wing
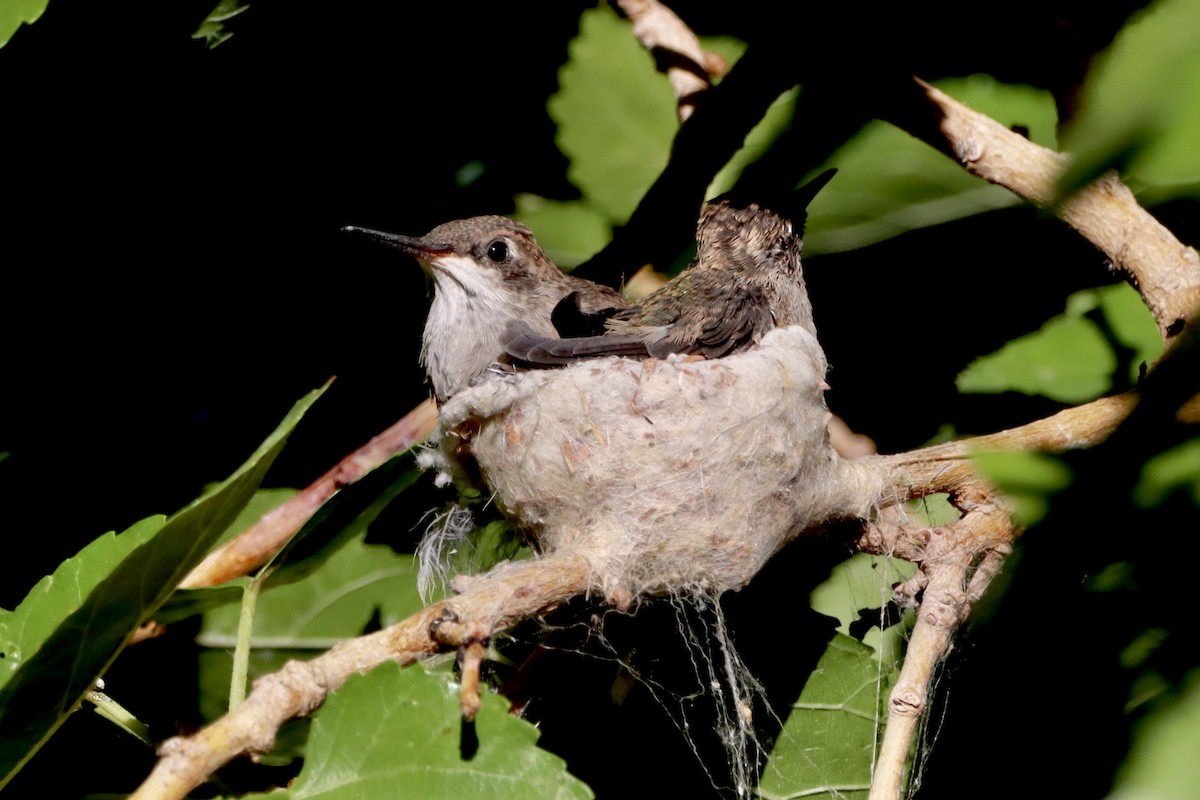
column 745, row 316
column 531, row 350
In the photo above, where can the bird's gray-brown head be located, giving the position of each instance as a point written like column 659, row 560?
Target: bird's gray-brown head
column 491, row 281
column 749, row 238
column 745, row 280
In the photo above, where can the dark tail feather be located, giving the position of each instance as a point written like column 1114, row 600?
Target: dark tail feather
column 529, row 350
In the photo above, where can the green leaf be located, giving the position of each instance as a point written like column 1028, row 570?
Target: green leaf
column 855, row 593
column 1069, row 359
column 615, row 115
column 399, row 733
column 827, row 745
column 1066, row 360
column 49, row 682
column 934, row 509
column 25, row 630
column 342, row 518
column 570, row 232
column 774, row 122
column 777, row 120
column 214, row 669
column 573, row 231
column 889, row 183
column 212, row 29
column 334, row 603
column 1162, row 763
column 1178, row 469
column 1140, row 105
column 1131, row 323
column 1028, row 480
column 15, row 12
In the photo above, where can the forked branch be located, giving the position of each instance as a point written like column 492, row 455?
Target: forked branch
column 1167, row 273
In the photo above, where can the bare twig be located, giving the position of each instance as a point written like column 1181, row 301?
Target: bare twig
column 255, row 546
column 947, row 557
column 472, row 661
column 945, row 467
column 1165, row 271
column 507, row 595
column 665, row 219
column 675, row 48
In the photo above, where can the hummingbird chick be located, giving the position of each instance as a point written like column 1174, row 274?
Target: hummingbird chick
column 745, row 280
column 492, row 283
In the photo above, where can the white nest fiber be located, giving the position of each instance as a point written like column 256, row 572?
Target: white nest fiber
column 666, row 476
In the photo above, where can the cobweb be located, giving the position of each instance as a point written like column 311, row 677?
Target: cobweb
column 719, row 698
column 729, row 705
column 735, row 694
column 679, row 653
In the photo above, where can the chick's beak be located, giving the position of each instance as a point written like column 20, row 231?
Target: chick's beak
column 417, row 246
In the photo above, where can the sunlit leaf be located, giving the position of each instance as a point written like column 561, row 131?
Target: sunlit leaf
column 215, row 666
column 358, row 582
column 264, row 501
column 1126, row 314
column 1162, row 763
column 343, row 517
column 1028, row 480
column 616, row 117
column 774, row 122
column 24, row 630
column 48, row 683
column 1140, row 105
column 857, row 593
column 1069, row 358
column 1066, row 360
column 570, row 232
column 827, row 746
column 889, row 183
column 399, row 733
column 615, row 114
column 14, row 13
column 1178, row 469
column 212, row 30
column 339, row 520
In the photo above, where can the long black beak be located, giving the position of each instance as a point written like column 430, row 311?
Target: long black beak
column 417, row 246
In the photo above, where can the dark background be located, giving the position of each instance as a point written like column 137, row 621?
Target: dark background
column 175, row 279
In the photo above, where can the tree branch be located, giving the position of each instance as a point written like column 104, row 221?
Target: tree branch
column 947, row 557
column 505, row 596
column 257, row 544
column 665, row 219
column 676, row 50
column 1165, row 271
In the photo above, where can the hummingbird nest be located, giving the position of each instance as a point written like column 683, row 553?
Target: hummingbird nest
column 667, row 476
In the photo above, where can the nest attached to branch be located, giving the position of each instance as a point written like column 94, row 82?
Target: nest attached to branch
column 665, row 476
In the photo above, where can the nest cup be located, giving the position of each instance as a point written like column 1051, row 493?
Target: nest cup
column 664, row 475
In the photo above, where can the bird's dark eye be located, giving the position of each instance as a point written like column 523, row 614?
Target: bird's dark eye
column 498, row 250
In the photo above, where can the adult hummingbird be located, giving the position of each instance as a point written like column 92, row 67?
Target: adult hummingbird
column 745, row 279
column 492, row 282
